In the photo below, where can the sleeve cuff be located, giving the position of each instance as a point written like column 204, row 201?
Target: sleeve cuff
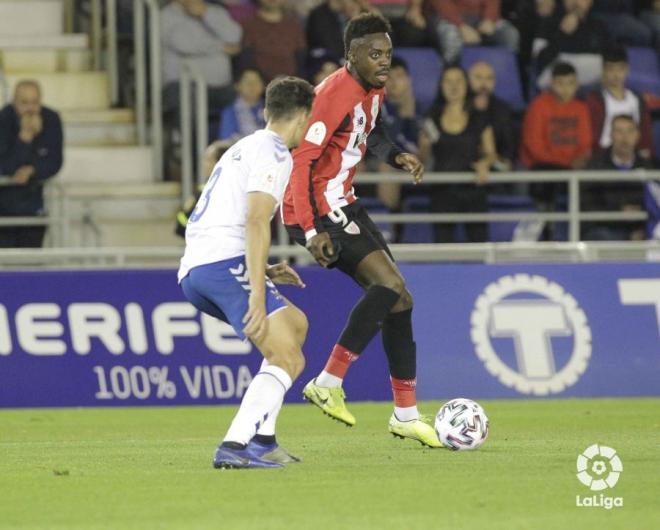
column 310, row 234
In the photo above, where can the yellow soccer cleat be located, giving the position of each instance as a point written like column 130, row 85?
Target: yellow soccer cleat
column 330, row 401
column 418, row 429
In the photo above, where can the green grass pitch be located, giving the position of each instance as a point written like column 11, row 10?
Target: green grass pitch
column 145, row 468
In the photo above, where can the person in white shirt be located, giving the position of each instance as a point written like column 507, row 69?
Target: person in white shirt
column 224, row 269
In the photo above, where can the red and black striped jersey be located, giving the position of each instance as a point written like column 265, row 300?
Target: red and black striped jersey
column 343, row 116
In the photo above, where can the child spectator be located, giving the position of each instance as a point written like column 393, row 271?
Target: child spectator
column 246, row 114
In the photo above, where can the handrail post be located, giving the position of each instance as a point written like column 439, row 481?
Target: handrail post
column 111, row 35
column 96, row 33
column 574, row 207
column 202, row 124
column 156, row 89
column 186, row 134
column 140, row 71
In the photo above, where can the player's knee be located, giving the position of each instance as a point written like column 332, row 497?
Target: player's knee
column 404, row 302
column 394, row 283
column 290, row 358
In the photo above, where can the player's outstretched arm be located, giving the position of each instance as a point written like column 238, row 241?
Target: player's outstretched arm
column 412, row 164
column 260, row 206
column 282, row 274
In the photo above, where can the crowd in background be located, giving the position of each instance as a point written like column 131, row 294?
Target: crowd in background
column 571, row 60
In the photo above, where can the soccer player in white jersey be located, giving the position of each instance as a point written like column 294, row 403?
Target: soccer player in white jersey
column 224, row 270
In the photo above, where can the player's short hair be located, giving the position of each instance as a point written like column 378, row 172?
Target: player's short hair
column 624, row 117
column 362, row 25
column 561, row 69
column 286, row 95
column 615, row 54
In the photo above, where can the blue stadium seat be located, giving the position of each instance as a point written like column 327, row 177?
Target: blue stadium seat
column 644, row 73
column 503, row 231
column 375, row 205
column 425, row 70
column 655, row 132
column 417, row 232
column 508, row 86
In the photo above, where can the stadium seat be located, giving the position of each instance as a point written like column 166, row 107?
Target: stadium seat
column 644, row 73
column 375, row 205
column 425, row 70
column 655, row 132
column 504, row 231
column 508, row 86
column 417, row 232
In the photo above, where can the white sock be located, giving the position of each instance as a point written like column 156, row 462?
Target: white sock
column 327, row 380
column 263, row 397
column 406, row 413
column 267, row 428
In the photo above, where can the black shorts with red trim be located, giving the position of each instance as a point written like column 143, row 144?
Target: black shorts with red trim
column 353, row 233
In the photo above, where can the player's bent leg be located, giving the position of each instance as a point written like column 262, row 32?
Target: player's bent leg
column 281, row 346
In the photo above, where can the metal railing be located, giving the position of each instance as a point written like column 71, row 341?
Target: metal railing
column 56, row 220
column 159, row 257
column 139, row 34
column 190, row 74
column 106, row 36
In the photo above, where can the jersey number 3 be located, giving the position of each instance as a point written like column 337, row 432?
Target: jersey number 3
column 203, row 202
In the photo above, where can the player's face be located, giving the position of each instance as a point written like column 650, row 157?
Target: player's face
column 372, row 59
column 301, row 127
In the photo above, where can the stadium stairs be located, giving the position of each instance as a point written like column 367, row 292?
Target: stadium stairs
column 112, row 198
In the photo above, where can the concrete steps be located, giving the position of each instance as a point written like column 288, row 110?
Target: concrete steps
column 45, row 60
column 125, row 215
column 111, row 127
column 31, row 17
column 107, row 165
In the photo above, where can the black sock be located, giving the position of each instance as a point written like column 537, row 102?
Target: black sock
column 367, row 317
column 399, row 345
column 233, row 445
column 265, row 439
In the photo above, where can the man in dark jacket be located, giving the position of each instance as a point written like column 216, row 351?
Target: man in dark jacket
column 30, row 153
column 622, row 155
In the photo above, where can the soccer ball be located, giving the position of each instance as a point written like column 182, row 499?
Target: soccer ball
column 461, row 424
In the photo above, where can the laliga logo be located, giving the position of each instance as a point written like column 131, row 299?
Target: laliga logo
column 599, row 467
column 531, row 310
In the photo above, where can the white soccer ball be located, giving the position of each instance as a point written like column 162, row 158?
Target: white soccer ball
column 461, row 424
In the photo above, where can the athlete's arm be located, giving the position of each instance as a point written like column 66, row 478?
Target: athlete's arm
column 380, row 144
column 260, row 207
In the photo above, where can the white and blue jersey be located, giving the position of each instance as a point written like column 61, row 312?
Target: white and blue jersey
column 213, row 273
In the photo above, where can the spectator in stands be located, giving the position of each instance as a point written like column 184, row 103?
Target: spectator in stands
column 246, row 114
column 576, row 32
column 622, row 154
column 618, row 17
column 458, row 139
column 325, row 26
column 321, row 67
column 472, row 22
column 651, row 17
column 402, row 123
column 208, row 37
column 30, row 153
column 556, row 133
column 409, row 25
column 274, row 41
column 614, row 99
column 497, row 112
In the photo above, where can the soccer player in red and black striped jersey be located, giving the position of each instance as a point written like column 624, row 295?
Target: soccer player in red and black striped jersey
column 321, row 211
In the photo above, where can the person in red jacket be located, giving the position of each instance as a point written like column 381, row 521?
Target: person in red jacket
column 471, row 22
column 613, row 100
column 556, row 131
column 321, row 211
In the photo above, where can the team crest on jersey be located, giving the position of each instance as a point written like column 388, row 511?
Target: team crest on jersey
column 352, row 228
column 316, row 133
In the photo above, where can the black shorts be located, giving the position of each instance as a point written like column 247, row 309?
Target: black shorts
column 353, row 233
